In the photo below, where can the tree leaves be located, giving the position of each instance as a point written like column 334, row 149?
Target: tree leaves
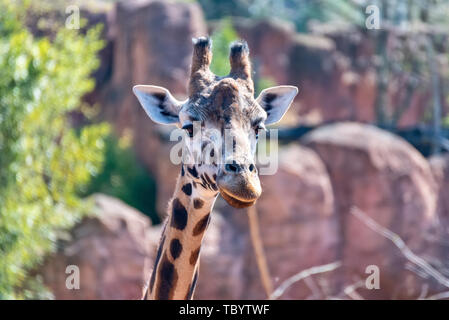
column 43, row 161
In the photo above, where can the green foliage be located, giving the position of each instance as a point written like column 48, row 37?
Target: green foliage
column 263, row 83
column 218, row 9
column 302, row 12
column 221, row 40
column 43, row 161
column 299, row 12
column 446, row 122
column 123, row 177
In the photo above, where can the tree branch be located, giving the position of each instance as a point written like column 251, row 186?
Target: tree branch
column 398, row 242
column 301, row 275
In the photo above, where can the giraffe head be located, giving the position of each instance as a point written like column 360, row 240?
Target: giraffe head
column 221, row 119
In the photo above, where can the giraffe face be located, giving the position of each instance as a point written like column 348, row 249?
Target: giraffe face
column 222, row 120
column 222, row 129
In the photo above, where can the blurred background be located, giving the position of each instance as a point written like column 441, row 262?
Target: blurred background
column 363, row 176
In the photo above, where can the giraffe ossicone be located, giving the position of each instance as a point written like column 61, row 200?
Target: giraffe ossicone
column 229, row 116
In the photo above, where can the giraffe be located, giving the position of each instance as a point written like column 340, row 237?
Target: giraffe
column 218, row 107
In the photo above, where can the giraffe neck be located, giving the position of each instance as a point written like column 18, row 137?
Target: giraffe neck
column 175, row 270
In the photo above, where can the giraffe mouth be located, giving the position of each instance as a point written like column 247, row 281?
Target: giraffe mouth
column 235, row 201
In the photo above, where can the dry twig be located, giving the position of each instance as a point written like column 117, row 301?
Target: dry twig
column 398, row 242
column 351, row 292
column 301, row 275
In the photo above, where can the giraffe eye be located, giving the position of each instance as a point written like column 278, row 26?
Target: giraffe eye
column 259, row 127
column 189, row 129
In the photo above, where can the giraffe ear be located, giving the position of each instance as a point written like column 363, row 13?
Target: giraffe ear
column 158, row 103
column 276, row 101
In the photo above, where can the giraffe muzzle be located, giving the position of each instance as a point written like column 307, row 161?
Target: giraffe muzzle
column 240, row 190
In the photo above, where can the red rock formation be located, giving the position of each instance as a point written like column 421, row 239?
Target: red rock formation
column 335, row 68
column 270, row 42
column 392, row 183
column 440, row 168
column 112, row 249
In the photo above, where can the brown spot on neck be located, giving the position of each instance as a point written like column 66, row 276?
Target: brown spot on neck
column 175, row 248
column 194, row 256
column 198, row 203
column 167, row 280
column 201, row 225
column 179, row 215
